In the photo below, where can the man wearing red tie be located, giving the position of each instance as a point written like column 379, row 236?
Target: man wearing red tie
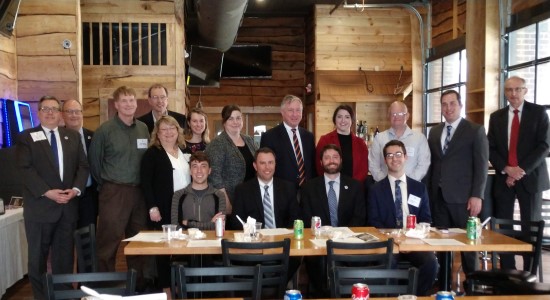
column 519, row 142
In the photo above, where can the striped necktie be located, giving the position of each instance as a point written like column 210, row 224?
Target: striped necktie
column 299, row 158
column 447, row 139
column 398, row 205
column 332, row 205
column 268, row 209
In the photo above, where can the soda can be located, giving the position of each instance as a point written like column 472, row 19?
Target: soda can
column 293, row 295
column 471, row 228
column 220, row 227
column 411, row 221
column 360, row 291
column 444, row 295
column 298, row 229
column 315, row 226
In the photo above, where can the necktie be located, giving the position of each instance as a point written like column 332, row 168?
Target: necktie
column 447, row 139
column 268, row 209
column 513, row 148
column 299, row 158
column 332, row 205
column 83, row 141
column 398, row 205
column 53, row 144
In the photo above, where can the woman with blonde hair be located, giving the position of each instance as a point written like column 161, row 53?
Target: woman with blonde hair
column 196, row 133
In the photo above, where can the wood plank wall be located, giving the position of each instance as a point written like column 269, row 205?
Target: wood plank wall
column 8, row 68
column 448, row 21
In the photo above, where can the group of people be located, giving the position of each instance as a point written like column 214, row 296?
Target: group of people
column 165, row 170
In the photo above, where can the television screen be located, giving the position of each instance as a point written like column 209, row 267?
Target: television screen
column 247, row 61
column 205, row 66
column 17, row 117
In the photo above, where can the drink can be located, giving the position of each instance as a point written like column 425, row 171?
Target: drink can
column 315, row 225
column 220, row 227
column 411, row 221
column 293, row 295
column 471, row 228
column 298, row 229
column 360, row 291
column 444, row 295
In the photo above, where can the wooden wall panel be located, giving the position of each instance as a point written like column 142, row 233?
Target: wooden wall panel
column 8, row 68
column 448, row 20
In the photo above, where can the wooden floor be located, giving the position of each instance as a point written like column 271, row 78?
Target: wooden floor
column 22, row 289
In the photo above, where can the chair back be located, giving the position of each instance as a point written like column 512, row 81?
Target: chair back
column 545, row 215
column 272, row 256
column 216, row 279
column 60, row 286
column 85, row 244
column 381, row 282
column 353, row 254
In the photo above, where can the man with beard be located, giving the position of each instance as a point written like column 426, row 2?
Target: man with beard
column 337, row 199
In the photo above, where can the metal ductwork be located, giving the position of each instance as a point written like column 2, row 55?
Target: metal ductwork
column 219, row 21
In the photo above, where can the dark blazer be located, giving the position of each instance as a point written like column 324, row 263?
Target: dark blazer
column 532, row 149
column 248, row 203
column 277, row 139
column 149, row 121
column 381, row 205
column 39, row 173
column 462, row 171
column 351, row 202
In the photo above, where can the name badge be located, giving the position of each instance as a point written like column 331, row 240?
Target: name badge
column 413, row 200
column 38, row 136
column 142, row 143
column 410, row 151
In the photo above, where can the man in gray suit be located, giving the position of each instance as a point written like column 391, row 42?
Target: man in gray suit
column 54, row 172
column 458, row 171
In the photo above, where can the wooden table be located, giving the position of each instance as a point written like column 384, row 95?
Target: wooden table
column 522, row 297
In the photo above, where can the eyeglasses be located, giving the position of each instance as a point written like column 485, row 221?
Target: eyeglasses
column 76, row 112
column 394, row 155
column 156, row 98
column 399, row 114
column 47, row 109
column 517, row 89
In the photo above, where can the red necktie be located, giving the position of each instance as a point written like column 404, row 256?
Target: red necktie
column 513, row 148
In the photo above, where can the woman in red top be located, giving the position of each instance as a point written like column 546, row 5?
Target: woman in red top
column 354, row 149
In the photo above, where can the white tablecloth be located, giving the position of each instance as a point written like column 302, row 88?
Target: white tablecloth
column 13, row 248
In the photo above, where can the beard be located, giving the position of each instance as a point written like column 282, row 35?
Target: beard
column 332, row 168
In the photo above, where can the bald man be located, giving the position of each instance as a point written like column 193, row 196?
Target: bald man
column 87, row 209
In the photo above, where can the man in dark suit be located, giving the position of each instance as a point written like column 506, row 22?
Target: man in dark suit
column 519, row 159
column 337, row 199
column 458, row 172
column 411, row 196
column 87, row 203
column 54, row 172
column 279, row 208
column 294, row 146
column 158, row 100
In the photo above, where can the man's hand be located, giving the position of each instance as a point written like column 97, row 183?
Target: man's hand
column 474, row 206
column 510, row 182
column 61, row 196
column 515, row 172
column 218, row 215
column 154, row 214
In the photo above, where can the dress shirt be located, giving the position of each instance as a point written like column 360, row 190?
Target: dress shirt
column 511, row 117
column 181, row 171
column 270, row 190
column 59, row 147
column 291, row 137
column 335, row 186
column 404, row 195
column 444, row 131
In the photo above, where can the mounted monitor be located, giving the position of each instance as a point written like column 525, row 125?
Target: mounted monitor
column 17, row 117
column 247, row 61
column 205, row 67
column 8, row 16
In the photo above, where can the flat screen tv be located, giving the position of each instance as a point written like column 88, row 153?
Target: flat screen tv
column 205, row 67
column 17, row 117
column 247, row 61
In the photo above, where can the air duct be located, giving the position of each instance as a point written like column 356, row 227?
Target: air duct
column 219, row 21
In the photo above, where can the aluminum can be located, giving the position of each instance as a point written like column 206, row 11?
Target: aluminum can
column 471, row 228
column 220, row 227
column 298, row 229
column 411, row 221
column 444, row 295
column 293, row 295
column 360, row 291
column 315, row 225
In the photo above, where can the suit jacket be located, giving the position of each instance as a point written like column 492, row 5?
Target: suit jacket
column 381, row 205
column 277, row 139
column 462, row 171
column 39, row 173
column 248, row 202
column 532, row 149
column 351, row 202
column 150, row 122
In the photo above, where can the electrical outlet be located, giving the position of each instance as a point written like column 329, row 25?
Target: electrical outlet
column 67, row 44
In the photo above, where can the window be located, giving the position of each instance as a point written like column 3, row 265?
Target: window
column 447, row 72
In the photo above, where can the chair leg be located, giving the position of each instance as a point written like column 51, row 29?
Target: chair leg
column 541, row 279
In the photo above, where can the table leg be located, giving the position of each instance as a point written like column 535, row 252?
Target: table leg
column 445, row 268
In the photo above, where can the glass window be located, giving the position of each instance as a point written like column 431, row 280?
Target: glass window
column 451, row 69
column 522, row 45
column 434, row 73
column 543, row 88
column 434, row 108
column 543, row 38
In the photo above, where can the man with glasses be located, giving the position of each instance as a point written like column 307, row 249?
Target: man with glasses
column 158, row 100
column 519, row 141
column 392, row 199
column 87, row 208
column 418, row 150
column 54, row 171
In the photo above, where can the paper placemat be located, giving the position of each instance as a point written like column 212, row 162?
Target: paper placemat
column 204, row 243
column 275, row 231
column 150, row 237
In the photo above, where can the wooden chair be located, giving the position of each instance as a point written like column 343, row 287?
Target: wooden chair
column 198, row 280
column 60, row 286
column 545, row 214
column 272, row 256
column 381, row 282
column 85, row 244
column 490, row 280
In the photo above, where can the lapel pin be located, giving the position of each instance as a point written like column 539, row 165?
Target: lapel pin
column 66, row 137
column 345, row 187
column 89, row 137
